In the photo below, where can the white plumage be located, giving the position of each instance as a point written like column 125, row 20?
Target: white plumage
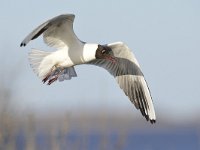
column 50, row 66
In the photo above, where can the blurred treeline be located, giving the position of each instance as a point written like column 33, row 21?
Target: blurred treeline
column 88, row 130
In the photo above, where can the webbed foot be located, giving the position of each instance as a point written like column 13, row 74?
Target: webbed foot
column 53, row 75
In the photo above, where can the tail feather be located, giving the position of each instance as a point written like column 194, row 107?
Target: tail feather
column 43, row 65
column 40, row 62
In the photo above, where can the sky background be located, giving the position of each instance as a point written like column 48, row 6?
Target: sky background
column 164, row 36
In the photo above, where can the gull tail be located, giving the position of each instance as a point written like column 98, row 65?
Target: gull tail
column 44, row 65
column 41, row 62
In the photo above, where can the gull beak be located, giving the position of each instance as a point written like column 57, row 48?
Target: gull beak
column 111, row 58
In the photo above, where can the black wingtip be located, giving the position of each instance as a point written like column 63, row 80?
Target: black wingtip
column 153, row 121
column 22, row 44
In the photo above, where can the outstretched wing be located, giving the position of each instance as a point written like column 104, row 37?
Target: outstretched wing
column 56, row 31
column 128, row 74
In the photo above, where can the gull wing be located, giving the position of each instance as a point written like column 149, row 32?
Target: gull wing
column 130, row 78
column 55, row 31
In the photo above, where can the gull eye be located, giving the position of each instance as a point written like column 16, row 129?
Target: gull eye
column 103, row 51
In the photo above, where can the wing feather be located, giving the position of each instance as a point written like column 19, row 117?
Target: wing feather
column 53, row 30
column 130, row 78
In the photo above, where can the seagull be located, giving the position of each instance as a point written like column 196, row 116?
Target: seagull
column 116, row 58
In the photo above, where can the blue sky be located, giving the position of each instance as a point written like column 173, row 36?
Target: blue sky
column 164, row 36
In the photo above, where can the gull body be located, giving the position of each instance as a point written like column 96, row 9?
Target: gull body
column 116, row 58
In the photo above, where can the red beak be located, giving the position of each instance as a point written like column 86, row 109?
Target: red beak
column 112, row 59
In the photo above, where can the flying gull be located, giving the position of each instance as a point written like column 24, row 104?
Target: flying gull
column 116, row 58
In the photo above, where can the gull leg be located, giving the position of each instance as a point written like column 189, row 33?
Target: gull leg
column 52, row 80
column 53, row 75
column 49, row 74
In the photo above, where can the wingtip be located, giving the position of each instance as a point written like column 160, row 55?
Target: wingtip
column 153, row 121
column 22, row 44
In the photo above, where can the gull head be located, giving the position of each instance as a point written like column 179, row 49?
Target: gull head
column 105, row 52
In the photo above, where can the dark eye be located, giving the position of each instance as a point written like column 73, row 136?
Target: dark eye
column 103, row 51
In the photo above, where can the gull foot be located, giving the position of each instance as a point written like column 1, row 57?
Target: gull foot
column 53, row 75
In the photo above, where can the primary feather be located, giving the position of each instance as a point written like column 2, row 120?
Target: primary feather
column 130, row 78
